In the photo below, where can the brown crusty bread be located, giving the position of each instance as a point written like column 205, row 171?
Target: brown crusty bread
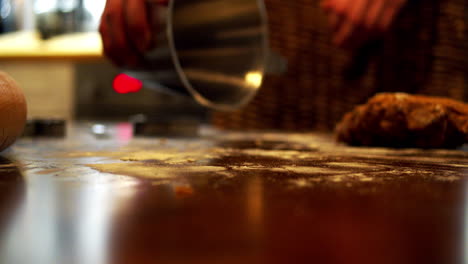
column 403, row 120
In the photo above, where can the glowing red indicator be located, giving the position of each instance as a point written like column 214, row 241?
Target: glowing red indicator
column 124, row 84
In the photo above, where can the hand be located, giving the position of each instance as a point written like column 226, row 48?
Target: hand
column 356, row 21
column 126, row 31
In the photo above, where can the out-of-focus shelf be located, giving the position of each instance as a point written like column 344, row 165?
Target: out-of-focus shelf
column 29, row 46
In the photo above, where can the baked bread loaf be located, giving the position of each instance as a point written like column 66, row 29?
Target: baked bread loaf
column 403, row 120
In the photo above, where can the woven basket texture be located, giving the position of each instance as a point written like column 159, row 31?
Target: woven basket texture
column 425, row 52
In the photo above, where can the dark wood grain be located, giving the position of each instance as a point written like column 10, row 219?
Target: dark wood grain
column 278, row 199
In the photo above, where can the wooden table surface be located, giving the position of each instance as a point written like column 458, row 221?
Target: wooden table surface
column 229, row 198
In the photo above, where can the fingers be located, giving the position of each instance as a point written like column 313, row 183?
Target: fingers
column 125, row 32
column 352, row 22
column 374, row 13
column 137, row 25
column 343, row 32
column 112, row 30
column 388, row 13
column 356, row 21
column 335, row 20
column 346, row 19
column 339, row 6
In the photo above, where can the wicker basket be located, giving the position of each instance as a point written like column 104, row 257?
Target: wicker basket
column 426, row 52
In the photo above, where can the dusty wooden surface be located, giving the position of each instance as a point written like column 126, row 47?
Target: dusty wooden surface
column 229, row 198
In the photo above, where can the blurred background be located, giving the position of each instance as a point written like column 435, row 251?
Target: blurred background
column 52, row 48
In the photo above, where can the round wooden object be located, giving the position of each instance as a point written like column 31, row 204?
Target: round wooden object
column 13, row 111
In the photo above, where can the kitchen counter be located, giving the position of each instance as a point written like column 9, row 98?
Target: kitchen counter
column 229, row 198
column 47, row 69
column 28, row 46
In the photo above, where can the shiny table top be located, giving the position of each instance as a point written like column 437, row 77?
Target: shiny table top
column 229, row 198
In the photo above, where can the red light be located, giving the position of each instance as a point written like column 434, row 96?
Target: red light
column 124, row 84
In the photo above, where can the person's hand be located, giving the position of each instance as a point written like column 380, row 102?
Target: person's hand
column 126, row 31
column 356, row 21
